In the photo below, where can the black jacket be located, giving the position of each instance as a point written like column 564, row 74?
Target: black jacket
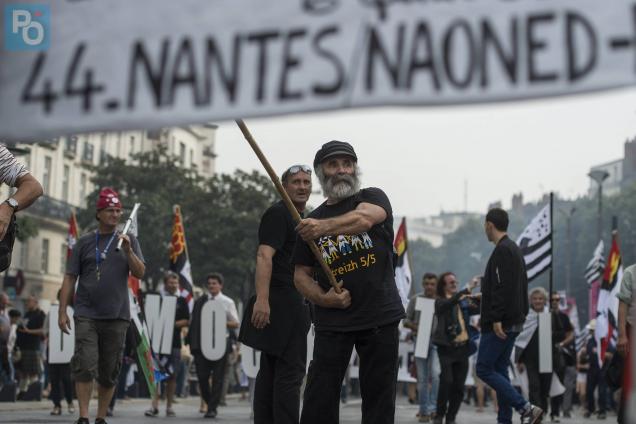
column 504, row 287
column 447, row 327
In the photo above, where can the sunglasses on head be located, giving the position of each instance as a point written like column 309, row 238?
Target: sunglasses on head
column 295, row 169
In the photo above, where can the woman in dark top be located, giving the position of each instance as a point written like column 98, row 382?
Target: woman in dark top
column 452, row 339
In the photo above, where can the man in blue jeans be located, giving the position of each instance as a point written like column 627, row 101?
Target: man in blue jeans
column 504, row 306
column 427, row 368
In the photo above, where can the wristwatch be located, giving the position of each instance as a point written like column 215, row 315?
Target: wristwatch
column 13, row 203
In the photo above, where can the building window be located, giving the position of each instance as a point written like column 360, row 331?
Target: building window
column 63, row 250
column 24, row 252
column 87, row 155
column 191, row 158
column 132, row 144
column 82, row 187
column 182, row 153
column 71, row 144
column 44, row 260
column 103, row 156
column 46, row 175
column 66, row 177
column 119, row 137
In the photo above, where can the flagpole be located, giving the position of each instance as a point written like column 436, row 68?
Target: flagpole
column 287, row 201
column 551, row 284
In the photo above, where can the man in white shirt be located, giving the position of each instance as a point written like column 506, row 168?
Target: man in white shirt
column 204, row 366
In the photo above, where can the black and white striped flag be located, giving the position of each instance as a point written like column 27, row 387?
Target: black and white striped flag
column 536, row 243
column 596, row 266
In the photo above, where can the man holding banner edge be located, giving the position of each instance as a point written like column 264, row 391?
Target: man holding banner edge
column 354, row 231
column 276, row 320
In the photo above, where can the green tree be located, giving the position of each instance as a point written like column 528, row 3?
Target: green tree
column 220, row 215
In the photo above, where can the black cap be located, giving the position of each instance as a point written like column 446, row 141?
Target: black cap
column 334, row 148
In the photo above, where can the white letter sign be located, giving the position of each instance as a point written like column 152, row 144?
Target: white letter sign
column 213, row 330
column 160, row 317
column 545, row 342
column 61, row 345
column 427, row 311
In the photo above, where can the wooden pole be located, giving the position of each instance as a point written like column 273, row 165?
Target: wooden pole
column 287, row 201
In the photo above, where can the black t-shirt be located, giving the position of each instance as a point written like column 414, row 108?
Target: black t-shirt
column 277, row 231
column 560, row 326
column 182, row 312
column 32, row 320
column 364, row 262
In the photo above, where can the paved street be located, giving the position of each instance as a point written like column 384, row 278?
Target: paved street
column 237, row 411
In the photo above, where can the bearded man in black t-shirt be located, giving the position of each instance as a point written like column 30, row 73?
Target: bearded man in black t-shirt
column 353, row 230
column 278, row 322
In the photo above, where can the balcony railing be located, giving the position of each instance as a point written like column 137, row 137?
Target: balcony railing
column 48, row 207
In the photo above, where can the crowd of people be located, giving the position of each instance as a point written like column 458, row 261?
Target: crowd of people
column 485, row 340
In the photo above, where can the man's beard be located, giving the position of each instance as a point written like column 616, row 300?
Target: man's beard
column 339, row 187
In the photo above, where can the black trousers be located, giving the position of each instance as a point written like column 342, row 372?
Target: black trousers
column 453, row 362
column 378, row 352
column 538, row 385
column 60, row 376
column 596, row 378
column 277, row 387
column 557, row 401
column 210, row 394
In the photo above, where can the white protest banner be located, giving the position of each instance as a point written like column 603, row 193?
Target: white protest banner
column 138, row 64
column 250, row 360
column 426, row 307
column 405, row 353
column 545, row 342
column 61, row 345
column 213, row 330
column 160, row 317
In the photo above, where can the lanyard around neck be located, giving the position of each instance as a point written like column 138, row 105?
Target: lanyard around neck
column 100, row 256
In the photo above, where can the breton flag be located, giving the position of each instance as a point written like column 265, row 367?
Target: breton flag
column 596, row 266
column 536, row 243
column 179, row 261
column 403, row 277
column 607, row 307
column 72, row 235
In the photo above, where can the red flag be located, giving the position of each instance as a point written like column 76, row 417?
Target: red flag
column 607, row 308
column 179, row 261
column 72, row 235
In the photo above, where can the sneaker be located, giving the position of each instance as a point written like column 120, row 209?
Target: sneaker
column 602, row 415
column 567, row 415
column 100, row 421
column 56, row 411
column 210, row 414
column 71, row 408
column 554, row 419
column 532, row 415
column 82, row 420
column 424, row 419
column 109, row 411
column 152, row 412
column 587, row 415
column 170, row 412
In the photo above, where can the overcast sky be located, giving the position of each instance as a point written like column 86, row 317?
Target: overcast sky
column 421, row 156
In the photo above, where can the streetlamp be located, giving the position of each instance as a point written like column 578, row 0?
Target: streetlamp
column 599, row 176
column 568, row 233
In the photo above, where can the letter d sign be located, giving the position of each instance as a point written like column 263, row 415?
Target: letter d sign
column 26, row 27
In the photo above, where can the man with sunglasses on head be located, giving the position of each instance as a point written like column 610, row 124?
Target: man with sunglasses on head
column 279, row 320
column 353, row 230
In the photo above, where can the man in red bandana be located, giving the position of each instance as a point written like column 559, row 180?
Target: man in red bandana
column 101, row 309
